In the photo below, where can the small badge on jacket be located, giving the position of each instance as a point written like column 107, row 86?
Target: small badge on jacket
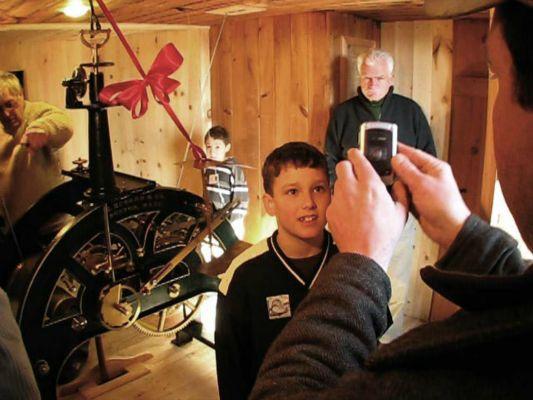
column 213, row 179
column 278, row 306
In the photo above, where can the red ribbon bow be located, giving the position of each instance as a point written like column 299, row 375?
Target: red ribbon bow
column 130, row 93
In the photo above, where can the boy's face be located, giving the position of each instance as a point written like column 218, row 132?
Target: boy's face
column 216, row 149
column 300, row 197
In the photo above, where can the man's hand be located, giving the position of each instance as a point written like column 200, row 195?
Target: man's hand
column 362, row 216
column 35, row 139
column 435, row 195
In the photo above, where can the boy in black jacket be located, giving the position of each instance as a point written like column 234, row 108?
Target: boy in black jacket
column 263, row 286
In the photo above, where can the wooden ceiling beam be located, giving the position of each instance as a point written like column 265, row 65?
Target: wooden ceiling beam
column 195, row 12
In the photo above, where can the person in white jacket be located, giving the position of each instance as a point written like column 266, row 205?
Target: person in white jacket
column 30, row 134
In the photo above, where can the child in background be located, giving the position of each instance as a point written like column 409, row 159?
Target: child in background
column 263, row 286
column 225, row 182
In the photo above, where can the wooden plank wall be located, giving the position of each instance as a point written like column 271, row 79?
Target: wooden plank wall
column 423, row 56
column 471, row 143
column 469, row 118
column 272, row 81
column 422, row 51
column 149, row 146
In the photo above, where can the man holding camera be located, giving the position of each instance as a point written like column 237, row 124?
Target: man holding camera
column 329, row 349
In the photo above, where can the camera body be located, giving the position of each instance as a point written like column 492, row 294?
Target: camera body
column 378, row 141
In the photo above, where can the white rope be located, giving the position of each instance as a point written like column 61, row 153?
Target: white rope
column 202, row 95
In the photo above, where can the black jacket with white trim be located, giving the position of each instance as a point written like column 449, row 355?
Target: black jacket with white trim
column 258, row 295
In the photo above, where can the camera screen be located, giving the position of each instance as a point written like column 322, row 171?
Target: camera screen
column 378, row 149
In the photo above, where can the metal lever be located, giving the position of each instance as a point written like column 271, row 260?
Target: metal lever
column 169, row 266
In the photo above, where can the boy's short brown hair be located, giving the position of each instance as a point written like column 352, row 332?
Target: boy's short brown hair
column 218, row 132
column 297, row 154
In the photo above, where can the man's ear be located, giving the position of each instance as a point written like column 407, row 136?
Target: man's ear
column 270, row 206
column 228, row 148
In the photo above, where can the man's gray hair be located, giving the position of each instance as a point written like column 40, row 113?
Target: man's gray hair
column 372, row 56
column 9, row 83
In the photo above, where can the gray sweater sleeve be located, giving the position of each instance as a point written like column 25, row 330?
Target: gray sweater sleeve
column 16, row 375
column 54, row 121
column 484, row 250
column 334, row 330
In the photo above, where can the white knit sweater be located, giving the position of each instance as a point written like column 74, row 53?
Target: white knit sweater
column 24, row 178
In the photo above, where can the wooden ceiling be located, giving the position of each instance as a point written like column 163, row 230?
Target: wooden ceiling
column 197, row 12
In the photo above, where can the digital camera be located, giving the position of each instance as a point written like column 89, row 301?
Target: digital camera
column 378, row 141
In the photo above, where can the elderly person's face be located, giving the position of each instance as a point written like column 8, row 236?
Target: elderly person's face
column 375, row 80
column 513, row 140
column 11, row 111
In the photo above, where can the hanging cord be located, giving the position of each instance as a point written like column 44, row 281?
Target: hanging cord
column 202, row 95
column 95, row 22
column 132, row 94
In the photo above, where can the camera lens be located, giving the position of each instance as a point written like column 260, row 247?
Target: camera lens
column 376, row 153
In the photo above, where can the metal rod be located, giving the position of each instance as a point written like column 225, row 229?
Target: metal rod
column 208, row 210
column 107, row 233
column 174, row 262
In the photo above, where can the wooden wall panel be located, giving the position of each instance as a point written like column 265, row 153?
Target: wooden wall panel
column 398, row 39
column 300, row 77
column 149, row 146
column 268, row 120
column 469, row 117
column 470, row 145
column 422, row 64
column 282, row 78
column 440, row 114
column 222, row 81
column 346, row 24
column 423, row 58
column 320, row 80
column 489, row 162
column 246, row 106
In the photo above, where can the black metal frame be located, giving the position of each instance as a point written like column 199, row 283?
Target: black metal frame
column 95, row 201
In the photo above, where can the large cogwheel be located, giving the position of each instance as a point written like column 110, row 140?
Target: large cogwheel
column 171, row 319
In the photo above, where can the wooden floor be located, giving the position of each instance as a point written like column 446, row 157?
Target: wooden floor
column 178, row 373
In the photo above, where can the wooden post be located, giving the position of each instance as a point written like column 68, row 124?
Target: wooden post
column 100, row 353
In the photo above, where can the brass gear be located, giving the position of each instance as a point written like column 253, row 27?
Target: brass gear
column 156, row 324
column 115, row 312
